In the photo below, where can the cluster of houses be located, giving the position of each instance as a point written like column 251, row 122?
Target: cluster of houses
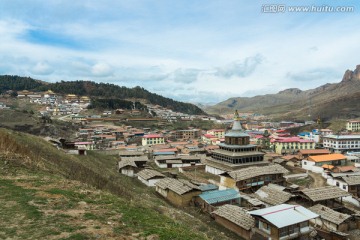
column 253, row 198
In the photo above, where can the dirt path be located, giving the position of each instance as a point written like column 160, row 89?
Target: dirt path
column 319, row 181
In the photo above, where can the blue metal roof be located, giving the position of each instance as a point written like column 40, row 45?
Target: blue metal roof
column 285, row 214
column 220, row 196
column 208, row 187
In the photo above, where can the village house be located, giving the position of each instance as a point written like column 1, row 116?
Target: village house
column 316, row 163
column 210, row 139
column 236, row 219
column 129, row 166
column 178, row 192
column 219, row 133
column 177, row 161
column 149, row 177
column 304, row 153
column 152, row 139
column 330, row 219
column 329, row 196
column 253, row 178
column 210, row 200
column 273, row 194
column 188, row 134
column 349, row 181
column 283, row 221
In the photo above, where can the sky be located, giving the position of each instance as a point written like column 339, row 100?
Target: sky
column 198, row 51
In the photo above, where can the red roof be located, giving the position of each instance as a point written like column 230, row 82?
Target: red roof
column 209, row 136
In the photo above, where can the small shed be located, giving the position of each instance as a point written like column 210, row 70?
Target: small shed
column 235, row 219
column 179, row 192
column 209, row 201
column 149, row 177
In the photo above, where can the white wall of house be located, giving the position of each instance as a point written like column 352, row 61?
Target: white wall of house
column 213, row 170
column 127, row 172
column 310, row 165
column 336, row 182
column 161, row 191
column 150, row 182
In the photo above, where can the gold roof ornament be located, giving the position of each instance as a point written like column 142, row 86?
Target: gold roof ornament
column 236, row 115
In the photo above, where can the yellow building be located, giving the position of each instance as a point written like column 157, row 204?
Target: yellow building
column 219, row 133
column 152, row 139
column 291, row 144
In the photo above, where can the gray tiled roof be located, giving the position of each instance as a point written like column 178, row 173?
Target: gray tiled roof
column 177, row 186
column 328, row 214
column 149, row 173
column 324, row 193
column 272, row 195
column 125, row 163
column 250, row 172
column 352, row 180
column 237, row 215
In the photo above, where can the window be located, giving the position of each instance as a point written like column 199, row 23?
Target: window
column 337, row 184
column 344, row 187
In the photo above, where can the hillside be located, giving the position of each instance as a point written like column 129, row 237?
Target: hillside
column 97, row 90
column 327, row 101
column 47, row 194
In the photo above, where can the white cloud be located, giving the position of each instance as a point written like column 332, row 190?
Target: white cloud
column 101, row 70
column 42, row 68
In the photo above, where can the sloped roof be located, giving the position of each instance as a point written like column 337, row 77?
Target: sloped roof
column 219, row 196
column 237, row 215
column 327, row 157
column 126, row 163
column 284, row 214
column 329, row 214
column 272, row 195
column 136, row 159
column 177, row 186
column 314, row 151
column 352, row 180
column 250, row 172
column 149, row 174
column 324, row 193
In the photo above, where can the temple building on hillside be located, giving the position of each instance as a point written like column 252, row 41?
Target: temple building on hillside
column 235, row 153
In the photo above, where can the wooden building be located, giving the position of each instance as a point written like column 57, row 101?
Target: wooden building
column 252, row 178
column 329, row 195
column 282, row 222
column 235, row 219
column 178, row 192
column 329, row 219
column 129, row 166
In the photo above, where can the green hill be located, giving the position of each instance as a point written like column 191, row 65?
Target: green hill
column 47, row 194
column 97, row 90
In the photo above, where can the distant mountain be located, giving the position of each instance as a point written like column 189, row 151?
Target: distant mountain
column 327, row 101
column 97, row 90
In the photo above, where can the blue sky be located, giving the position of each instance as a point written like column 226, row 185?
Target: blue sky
column 190, row 50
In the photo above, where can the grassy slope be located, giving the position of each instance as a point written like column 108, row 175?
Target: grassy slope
column 49, row 194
